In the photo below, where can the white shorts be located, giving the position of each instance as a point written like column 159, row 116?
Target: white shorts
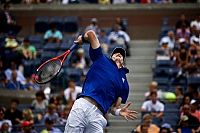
column 85, row 117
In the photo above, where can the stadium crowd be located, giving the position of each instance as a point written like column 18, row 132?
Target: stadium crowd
column 179, row 48
column 99, row 1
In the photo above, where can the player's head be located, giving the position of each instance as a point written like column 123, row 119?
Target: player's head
column 118, row 55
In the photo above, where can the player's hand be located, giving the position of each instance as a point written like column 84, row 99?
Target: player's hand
column 127, row 113
column 79, row 40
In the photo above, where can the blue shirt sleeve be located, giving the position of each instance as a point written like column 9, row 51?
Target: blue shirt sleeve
column 95, row 53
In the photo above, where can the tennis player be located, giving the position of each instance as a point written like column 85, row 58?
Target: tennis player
column 104, row 89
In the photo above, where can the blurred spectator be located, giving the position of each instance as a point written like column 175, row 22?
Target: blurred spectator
column 153, row 87
column 93, row 26
column 192, row 53
column 79, row 60
column 53, row 35
column 13, row 68
column 28, row 51
column 27, row 115
column 186, row 101
column 31, row 1
column 72, row 92
column 179, row 94
column 31, row 83
column 170, row 39
column 70, row 1
column 13, row 113
column 183, row 32
column 194, row 69
column 13, row 83
column 182, row 21
column 64, row 115
column 57, row 101
column 52, row 114
column 155, row 107
column 145, row 1
column 182, row 58
column 119, row 2
column 49, row 123
column 164, row 130
column 167, row 52
column 194, row 109
column 10, row 52
column 104, row 2
column 26, row 127
column 187, row 120
column 103, row 39
column 5, row 128
column 11, row 41
column 147, row 121
column 196, row 23
column 40, row 103
column 122, row 23
column 184, row 125
column 119, row 37
column 7, row 21
column 3, row 80
column 5, row 124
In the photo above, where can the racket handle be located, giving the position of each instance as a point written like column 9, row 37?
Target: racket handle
column 73, row 46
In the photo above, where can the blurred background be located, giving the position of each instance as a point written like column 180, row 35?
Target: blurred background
column 162, row 40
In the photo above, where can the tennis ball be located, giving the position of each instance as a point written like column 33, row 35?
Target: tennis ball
column 170, row 96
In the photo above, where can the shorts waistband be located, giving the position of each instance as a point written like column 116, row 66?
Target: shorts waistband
column 93, row 102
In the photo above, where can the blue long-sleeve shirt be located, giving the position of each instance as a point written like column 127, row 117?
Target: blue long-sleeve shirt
column 105, row 82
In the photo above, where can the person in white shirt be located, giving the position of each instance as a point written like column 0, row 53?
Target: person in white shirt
column 72, row 92
column 155, row 107
column 20, row 76
column 2, row 120
column 170, row 39
column 119, row 37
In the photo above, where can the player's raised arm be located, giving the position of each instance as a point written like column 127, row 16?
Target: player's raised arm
column 89, row 36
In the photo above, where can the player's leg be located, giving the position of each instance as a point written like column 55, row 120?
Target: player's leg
column 76, row 121
column 96, row 120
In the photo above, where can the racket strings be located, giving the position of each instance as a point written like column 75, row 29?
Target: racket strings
column 48, row 71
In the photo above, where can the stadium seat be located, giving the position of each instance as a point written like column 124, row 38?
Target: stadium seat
column 47, row 55
column 74, row 74
column 194, row 80
column 51, row 47
column 171, row 109
column 41, row 24
column 58, row 21
column 165, row 63
column 71, row 24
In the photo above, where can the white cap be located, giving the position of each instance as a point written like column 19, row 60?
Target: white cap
column 165, row 40
column 194, row 39
column 181, row 40
column 193, row 101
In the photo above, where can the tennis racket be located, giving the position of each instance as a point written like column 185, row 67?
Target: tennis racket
column 49, row 69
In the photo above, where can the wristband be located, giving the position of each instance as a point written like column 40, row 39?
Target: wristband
column 83, row 39
column 117, row 111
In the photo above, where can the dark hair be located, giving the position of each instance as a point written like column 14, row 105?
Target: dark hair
column 164, row 128
column 153, row 93
column 6, row 5
column 15, row 101
column 2, row 109
column 40, row 93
